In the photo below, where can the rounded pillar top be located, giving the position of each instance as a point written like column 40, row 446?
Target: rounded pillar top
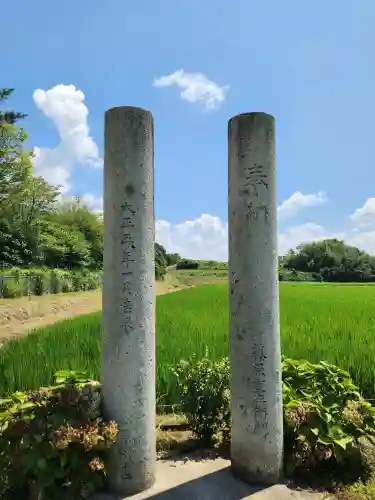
column 248, row 124
column 125, row 125
column 251, row 116
column 128, row 110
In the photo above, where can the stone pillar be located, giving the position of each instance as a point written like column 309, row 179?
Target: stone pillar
column 128, row 350
column 256, row 407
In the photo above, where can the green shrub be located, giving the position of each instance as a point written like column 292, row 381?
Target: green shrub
column 325, row 417
column 204, row 392
column 160, row 272
column 66, row 285
column 78, row 282
column 56, row 282
column 40, row 283
column 18, row 282
column 53, row 440
column 92, row 282
column 13, row 287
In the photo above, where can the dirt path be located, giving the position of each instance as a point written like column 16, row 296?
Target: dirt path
column 19, row 316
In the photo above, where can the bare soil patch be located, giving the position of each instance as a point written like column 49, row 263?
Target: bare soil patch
column 18, row 316
column 21, row 315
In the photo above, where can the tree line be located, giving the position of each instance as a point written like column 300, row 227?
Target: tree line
column 37, row 228
column 330, row 260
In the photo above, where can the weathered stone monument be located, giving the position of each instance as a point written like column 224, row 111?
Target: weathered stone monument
column 256, row 407
column 128, row 351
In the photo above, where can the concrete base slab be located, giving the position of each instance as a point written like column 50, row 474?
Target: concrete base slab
column 209, row 479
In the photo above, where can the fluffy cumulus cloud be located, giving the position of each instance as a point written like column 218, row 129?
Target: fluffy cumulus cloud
column 362, row 239
column 204, row 238
column 95, row 203
column 299, row 201
column 195, row 87
column 65, row 106
column 207, row 236
column 365, row 216
column 292, row 236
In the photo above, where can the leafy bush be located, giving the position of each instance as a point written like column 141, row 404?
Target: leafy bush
column 78, row 282
column 13, row 288
column 325, row 417
column 85, row 281
column 39, row 283
column 66, row 285
column 17, row 282
column 205, row 396
column 92, row 282
column 55, row 283
column 52, row 441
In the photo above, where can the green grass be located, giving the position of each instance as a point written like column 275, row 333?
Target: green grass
column 318, row 322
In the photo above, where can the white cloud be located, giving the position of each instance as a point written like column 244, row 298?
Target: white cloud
column 195, row 87
column 295, row 235
column 207, row 237
column 365, row 216
column 299, row 201
column 203, row 238
column 65, row 106
column 95, row 203
column 364, row 240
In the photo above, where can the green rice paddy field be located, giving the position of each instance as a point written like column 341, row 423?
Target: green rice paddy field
column 328, row 322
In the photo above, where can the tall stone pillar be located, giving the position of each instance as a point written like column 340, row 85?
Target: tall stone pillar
column 128, row 350
column 256, row 407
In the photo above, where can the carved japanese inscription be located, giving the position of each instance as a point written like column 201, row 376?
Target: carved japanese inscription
column 260, row 408
column 127, row 259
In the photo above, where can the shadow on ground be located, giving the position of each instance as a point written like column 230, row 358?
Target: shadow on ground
column 189, row 478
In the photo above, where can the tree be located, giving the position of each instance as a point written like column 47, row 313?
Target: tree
column 64, row 247
column 172, row 258
column 9, row 116
column 333, row 260
column 24, row 198
column 74, row 215
column 15, row 163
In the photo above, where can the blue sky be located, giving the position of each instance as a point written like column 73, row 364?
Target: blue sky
column 309, row 64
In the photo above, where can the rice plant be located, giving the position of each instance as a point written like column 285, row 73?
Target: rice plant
column 318, row 322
